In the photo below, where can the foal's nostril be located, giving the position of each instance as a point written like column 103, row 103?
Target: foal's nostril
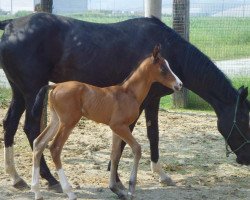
column 177, row 87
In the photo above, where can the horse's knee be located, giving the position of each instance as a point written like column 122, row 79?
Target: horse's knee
column 37, row 148
column 53, row 151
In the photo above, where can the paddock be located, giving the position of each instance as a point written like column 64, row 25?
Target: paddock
column 192, row 151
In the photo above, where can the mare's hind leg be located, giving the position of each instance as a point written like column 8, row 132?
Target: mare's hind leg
column 115, row 183
column 39, row 145
column 151, row 114
column 10, row 124
column 32, row 129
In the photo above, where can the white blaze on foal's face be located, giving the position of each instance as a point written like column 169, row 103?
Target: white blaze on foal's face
column 176, row 84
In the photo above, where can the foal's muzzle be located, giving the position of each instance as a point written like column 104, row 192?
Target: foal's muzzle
column 178, row 86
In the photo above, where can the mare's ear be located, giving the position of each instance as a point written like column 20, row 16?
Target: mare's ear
column 243, row 92
column 156, row 52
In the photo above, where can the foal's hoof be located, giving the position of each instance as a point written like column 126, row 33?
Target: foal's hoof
column 56, row 188
column 123, row 197
column 121, row 186
column 167, row 181
column 131, row 196
column 21, row 185
column 40, row 198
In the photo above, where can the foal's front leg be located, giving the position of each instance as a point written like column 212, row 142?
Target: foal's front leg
column 124, row 133
column 115, row 185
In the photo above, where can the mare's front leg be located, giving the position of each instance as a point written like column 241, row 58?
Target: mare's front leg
column 151, row 114
column 32, row 129
column 10, row 124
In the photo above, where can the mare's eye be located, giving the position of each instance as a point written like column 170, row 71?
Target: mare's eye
column 164, row 70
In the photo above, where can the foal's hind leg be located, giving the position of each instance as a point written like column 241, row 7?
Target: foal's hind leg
column 39, row 145
column 56, row 149
column 151, row 114
column 10, row 124
column 32, row 129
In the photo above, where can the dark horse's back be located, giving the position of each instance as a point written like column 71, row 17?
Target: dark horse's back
column 42, row 47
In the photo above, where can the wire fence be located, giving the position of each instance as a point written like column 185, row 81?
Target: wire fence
column 220, row 29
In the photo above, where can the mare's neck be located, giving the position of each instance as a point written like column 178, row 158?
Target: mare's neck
column 203, row 77
column 139, row 84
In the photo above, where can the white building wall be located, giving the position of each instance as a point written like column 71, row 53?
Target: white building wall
column 59, row 6
column 17, row 5
column 72, row 6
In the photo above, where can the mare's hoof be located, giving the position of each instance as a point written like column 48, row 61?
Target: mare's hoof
column 56, row 188
column 21, row 185
column 167, row 181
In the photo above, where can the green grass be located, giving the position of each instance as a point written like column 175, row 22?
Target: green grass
column 221, row 38
column 5, row 97
column 196, row 103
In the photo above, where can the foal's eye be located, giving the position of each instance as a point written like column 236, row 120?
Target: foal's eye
column 164, row 70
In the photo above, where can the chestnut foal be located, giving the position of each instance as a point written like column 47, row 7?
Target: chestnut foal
column 116, row 106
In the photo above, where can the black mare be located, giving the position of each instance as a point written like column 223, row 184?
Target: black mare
column 42, row 47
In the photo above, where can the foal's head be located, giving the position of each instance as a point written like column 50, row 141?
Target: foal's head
column 161, row 72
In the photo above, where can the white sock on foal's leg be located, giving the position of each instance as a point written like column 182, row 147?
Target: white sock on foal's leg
column 164, row 178
column 35, row 182
column 67, row 188
column 10, row 165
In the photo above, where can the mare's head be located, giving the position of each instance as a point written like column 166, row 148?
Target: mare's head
column 235, row 127
column 161, row 72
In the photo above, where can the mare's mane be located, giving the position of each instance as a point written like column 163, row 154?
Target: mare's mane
column 207, row 76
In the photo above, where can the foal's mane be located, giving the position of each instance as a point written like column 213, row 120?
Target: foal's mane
column 135, row 68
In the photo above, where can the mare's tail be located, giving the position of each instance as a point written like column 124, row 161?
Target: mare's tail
column 4, row 23
column 39, row 102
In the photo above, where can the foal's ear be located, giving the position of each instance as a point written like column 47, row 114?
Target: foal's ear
column 156, row 52
column 243, row 92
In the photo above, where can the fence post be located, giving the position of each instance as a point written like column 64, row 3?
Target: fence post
column 46, row 5
column 181, row 26
column 152, row 8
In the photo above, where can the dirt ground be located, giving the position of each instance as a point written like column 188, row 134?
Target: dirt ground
column 191, row 150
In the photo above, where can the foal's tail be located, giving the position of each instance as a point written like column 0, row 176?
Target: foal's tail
column 4, row 23
column 39, row 102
